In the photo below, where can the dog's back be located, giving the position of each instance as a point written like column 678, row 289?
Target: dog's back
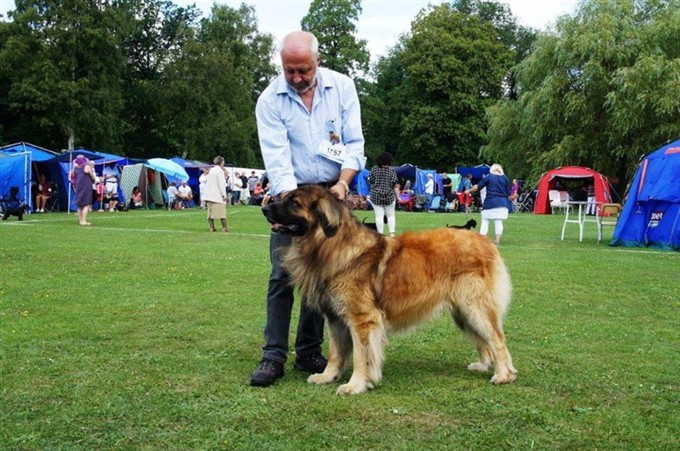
column 441, row 269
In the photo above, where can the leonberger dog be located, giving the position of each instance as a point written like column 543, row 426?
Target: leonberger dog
column 366, row 285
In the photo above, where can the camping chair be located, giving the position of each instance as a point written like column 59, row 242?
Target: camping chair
column 420, row 202
column 52, row 204
column 558, row 200
column 405, row 202
column 436, row 202
column 607, row 215
column 170, row 203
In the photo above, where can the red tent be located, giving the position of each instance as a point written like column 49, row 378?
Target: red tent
column 547, row 182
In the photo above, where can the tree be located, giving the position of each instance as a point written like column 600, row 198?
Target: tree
column 600, row 92
column 516, row 37
column 62, row 66
column 437, row 86
column 332, row 22
column 155, row 33
column 211, row 87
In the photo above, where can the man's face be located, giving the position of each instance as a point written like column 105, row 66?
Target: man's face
column 299, row 69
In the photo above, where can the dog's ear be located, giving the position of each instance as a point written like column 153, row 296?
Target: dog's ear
column 329, row 214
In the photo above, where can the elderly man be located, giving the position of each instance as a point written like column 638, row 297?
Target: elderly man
column 309, row 127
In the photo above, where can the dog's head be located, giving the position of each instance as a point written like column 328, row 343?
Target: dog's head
column 304, row 210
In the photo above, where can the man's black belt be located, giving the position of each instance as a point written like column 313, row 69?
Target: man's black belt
column 321, row 184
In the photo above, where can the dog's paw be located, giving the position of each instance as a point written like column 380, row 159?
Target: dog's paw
column 352, row 389
column 321, row 378
column 506, row 378
column 479, row 367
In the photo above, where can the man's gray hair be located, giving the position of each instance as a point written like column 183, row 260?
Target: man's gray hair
column 218, row 160
column 313, row 47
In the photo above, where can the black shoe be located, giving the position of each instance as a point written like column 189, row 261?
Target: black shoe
column 312, row 363
column 266, row 373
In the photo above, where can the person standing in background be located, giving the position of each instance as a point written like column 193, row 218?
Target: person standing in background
column 216, row 195
column 84, row 178
column 384, row 192
column 201, row 185
column 496, row 202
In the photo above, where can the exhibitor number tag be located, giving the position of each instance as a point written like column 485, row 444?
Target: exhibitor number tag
column 334, row 152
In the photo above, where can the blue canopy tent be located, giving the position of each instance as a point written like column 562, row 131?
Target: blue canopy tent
column 478, row 172
column 60, row 168
column 360, row 183
column 36, row 153
column 420, row 177
column 15, row 178
column 194, row 169
column 651, row 214
column 36, row 156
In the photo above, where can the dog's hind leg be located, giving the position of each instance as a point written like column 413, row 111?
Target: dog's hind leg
column 484, row 328
column 369, row 337
column 339, row 352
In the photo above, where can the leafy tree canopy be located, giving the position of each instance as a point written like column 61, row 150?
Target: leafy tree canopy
column 333, row 23
column 599, row 91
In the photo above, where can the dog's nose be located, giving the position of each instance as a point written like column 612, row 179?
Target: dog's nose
column 265, row 210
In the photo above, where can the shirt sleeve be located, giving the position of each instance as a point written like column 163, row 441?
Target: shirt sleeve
column 353, row 136
column 274, row 145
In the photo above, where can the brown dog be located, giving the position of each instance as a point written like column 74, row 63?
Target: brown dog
column 366, row 285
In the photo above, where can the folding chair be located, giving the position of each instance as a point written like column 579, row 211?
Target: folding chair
column 52, row 204
column 607, row 215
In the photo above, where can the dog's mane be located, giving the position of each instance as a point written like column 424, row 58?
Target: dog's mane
column 329, row 256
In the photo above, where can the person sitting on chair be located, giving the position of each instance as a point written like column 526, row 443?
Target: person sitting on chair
column 172, row 196
column 44, row 192
column 185, row 194
column 136, row 199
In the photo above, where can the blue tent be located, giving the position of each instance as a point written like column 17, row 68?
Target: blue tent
column 29, row 155
column 651, row 214
column 15, row 174
column 360, row 183
column 37, row 153
column 194, row 169
column 478, row 172
column 420, row 176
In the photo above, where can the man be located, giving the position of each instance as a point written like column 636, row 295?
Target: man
column 245, row 192
column 216, row 194
column 252, row 182
column 467, row 186
column 111, row 175
column 185, row 194
column 429, row 190
column 297, row 115
column 446, row 187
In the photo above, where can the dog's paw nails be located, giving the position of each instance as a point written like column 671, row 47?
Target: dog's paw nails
column 478, row 366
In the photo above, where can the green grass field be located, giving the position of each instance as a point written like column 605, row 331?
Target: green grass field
column 141, row 332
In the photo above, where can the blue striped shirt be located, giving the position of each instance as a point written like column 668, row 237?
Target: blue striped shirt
column 290, row 136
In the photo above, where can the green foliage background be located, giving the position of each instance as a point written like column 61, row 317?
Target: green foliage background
column 466, row 85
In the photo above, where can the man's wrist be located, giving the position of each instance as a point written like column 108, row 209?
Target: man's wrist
column 344, row 185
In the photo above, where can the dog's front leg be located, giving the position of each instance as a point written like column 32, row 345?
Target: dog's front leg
column 368, row 335
column 339, row 352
